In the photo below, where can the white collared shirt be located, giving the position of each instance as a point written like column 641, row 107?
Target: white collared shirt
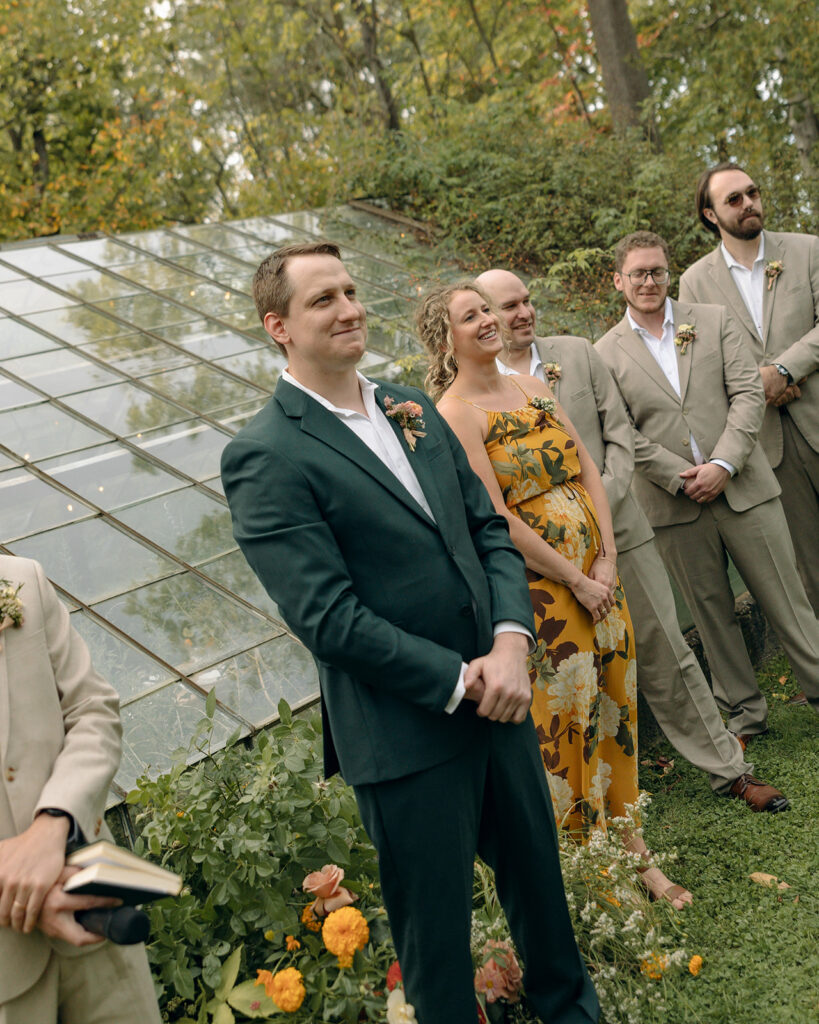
column 665, row 354
column 750, row 283
column 535, row 366
column 375, row 431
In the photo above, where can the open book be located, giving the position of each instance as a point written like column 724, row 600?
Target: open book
column 108, row 870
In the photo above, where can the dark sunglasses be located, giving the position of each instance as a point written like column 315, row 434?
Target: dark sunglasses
column 735, row 198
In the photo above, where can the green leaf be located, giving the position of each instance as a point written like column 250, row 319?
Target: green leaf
column 223, row 1015
column 230, row 971
column 247, row 994
column 210, row 704
column 285, row 714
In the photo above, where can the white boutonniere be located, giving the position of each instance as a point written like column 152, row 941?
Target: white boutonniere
column 11, row 607
column 686, row 333
column 773, row 268
column 408, row 417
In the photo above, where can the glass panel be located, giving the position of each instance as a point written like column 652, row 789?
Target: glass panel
column 384, row 274
column 60, row 373
column 136, row 354
column 91, row 285
column 192, row 447
column 215, row 235
column 157, row 724
column 253, row 683
column 111, row 476
column 262, row 366
column 235, row 575
column 187, row 523
column 246, row 319
column 266, row 229
column 28, row 505
column 213, row 299
column 145, row 311
column 14, row 395
column 392, row 337
column 157, row 276
column 40, row 260
column 161, row 243
column 107, row 252
column 301, row 220
column 212, row 344
column 129, row 670
column 186, row 622
column 21, row 340
column 125, row 408
column 40, row 431
column 7, row 273
column 92, row 560
column 202, row 388
column 215, row 484
column 237, row 418
column 216, row 265
column 24, row 296
column 6, row 463
column 78, row 324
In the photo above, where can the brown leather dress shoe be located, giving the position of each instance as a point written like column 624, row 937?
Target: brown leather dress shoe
column 758, row 795
column 798, row 699
column 744, row 738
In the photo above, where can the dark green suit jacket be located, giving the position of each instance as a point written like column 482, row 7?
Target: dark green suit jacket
column 389, row 602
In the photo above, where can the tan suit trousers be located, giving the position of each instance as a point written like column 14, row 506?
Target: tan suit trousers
column 798, row 476
column 760, row 545
column 111, row 985
column 669, row 675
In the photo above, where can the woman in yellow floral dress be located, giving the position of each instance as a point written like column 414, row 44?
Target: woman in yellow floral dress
column 541, row 478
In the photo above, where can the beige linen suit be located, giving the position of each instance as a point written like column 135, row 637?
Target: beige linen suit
column 721, row 404
column 59, row 747
column 790, row 320
column 668, row 674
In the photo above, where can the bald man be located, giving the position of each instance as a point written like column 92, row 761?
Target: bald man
column 668, row 674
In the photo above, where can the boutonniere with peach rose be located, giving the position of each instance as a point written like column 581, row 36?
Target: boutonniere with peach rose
column 11, row 607
column 408, row 417
column 773, row 268
column 553, row 372
column 686, row 333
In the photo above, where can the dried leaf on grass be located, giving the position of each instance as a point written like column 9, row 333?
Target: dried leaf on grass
column 771, row 881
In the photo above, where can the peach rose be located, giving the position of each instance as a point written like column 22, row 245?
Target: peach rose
column 501, row 976
column 324, row 885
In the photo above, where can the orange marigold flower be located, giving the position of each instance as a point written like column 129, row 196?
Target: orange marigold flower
column 285, row 988
column 345, row 930
column 695, row 965
column 309, row 920
column 653, row 966
column 292, row 943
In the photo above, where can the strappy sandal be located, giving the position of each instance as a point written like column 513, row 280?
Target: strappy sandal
column 672, row 891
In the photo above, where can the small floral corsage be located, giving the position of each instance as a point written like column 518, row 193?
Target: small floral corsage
column 544, row 404
column 686, row 333
column 773, row 268
column 408, row 417
column 552, row 371
column 11, row 607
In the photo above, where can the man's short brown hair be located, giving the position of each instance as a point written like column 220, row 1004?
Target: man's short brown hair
column 704, row 197
column 638, row 240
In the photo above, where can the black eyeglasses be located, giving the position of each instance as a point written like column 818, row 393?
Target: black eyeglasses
column 659, row 275
column 735, row 198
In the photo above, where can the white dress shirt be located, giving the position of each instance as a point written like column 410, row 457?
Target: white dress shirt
column 535, row 366
column 750, row 283
column 375, row 431
column 665, row 354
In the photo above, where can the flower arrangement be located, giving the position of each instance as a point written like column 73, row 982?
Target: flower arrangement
column 686, row 333
column 553, row 372
column 408, row 416
column 11, row 607
column 773, row 268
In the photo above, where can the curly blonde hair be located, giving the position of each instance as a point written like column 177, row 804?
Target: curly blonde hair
column 435, row 332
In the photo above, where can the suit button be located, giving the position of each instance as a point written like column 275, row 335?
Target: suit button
column 451, row 551
column 465, row 611
column 685, row 441
column 10, row 775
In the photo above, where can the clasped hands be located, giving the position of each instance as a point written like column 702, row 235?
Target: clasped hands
column 32, row 874
column 499, row 681
column 703, row 483
column 777, row 390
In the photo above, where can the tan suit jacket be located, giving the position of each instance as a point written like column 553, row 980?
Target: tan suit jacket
column 587, row 392
column 721, row 404
column 60, row 738
column 790, row 321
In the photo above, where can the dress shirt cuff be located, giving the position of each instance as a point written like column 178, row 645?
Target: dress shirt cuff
column 458, row 692
column 725, row 465
column 510, row 626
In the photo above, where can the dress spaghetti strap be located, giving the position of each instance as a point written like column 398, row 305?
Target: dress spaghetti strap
column 475, row 405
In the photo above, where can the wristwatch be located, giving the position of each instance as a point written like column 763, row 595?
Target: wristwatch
column 75, row 836
column 784, row 371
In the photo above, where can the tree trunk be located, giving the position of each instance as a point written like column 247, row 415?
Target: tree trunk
column 624, row 78
column 369, row 39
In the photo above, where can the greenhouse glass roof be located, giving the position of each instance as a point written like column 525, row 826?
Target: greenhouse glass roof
column 126, row 364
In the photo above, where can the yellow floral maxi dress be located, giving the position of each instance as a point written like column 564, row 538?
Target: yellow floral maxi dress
column 584, row 677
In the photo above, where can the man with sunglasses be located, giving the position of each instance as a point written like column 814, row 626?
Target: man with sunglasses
column 696, row 403
column 769, row 281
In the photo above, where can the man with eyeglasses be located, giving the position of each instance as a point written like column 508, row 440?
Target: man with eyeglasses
column 696, row 403
column 668, row 674
column 770, row 283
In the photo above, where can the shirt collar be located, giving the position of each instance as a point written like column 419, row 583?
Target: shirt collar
column 368, row 388
column 731, row 262
column 668, row 320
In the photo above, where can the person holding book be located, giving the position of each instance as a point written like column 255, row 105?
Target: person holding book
column 59, row 748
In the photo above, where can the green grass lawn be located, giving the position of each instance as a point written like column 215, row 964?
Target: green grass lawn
column 760, row 946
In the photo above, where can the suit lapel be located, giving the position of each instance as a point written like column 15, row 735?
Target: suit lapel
column 634, row 346
column 773, row 251
column 683, row 316
column 321, row 424
column 721, row 276
column 548, row 355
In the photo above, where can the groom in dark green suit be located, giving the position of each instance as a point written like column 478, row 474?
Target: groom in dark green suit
column 360, row 515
